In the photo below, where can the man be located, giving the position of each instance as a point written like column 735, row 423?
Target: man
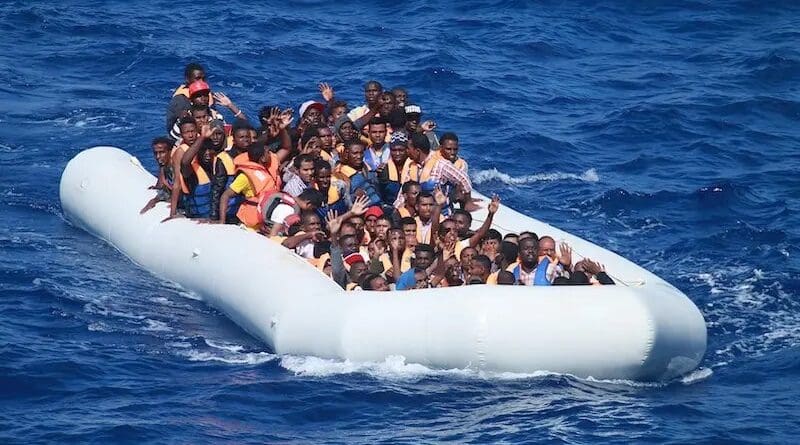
column 372, row 93
column 371, row 221
column 201, row 115
column 427, row 219
column 413, row 114
column 256, row 180
column 359, row 179
column 448, row 148
column 531, row 271
column 334, row 191
column 311, row 233
column 328, row 149
column 163, row 186
column 390, row 177
column 225, row 170
column 377, row 154
column 423, row 258
column 409, row 192
column 189, row 136
column 479, row 270
column 374, row 282
column 197, row 165
column 304, row 175
column 432, row 171
column 180, row 102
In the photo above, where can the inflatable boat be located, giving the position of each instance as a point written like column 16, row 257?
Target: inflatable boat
column 641, row 329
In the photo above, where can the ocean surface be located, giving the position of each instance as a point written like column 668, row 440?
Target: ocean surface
column 666, row 131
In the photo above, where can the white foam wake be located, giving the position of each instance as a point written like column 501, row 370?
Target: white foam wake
column 493, row 174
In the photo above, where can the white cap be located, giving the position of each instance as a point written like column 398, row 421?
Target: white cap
column 310, row 103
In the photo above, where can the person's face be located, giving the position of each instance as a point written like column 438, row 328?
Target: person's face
column 195, row 75
column 476, row 270
column 200, row 117
column 377, row 134
column 217, row 138
column 449, row 150
column 200, row 98
column 306, row 171
column 466, row 257
column 528, row 251
column 326, row 138
column 399, row 237
column 400, row 96
column 379, row 284
column 387, row 104
column 547, row 247
column 189, row 133
column 312, row 116
column 411, row 241
column 412, row 123
column 242, row 139
column 450, row 226
column 357, row 271
column 161, row 153
column 337, row 113
column 425, row 207
column 355, row 156
column 370, row 224
column 347, row 131
column 413, row 152
column 411, row 195
column 381, row 228
column 323, row 178
column 421, row 280
column 453, row 271
column 398, row 154
column 489, row 247
column 423, row 260
column 410, row 230
column 462, row 223
column 314, row 147
column 349, row 245
column 312, row 223
column 371, row 93
column 376, row 249
column 358, row 223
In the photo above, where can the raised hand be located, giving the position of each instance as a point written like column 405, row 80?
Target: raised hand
column 206, row 131
column 223, row 99
column 494, row 205
column 285, row 118
column 333, row 221
column 327, row 91
column 360, row 205
column 428, row 126
column 439, row 196
column 564, row 254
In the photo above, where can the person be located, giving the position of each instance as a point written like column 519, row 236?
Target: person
column 505, row 277
column 165, row 178
column 280, row 210
column 374, row 282
column 413, row 115
column 423, row 259
column 201, row 115
column 432, row 170
column 310, row 113
column 448, row 149
column 358, row 178
column 371, row 220
column 304, row 241
column 382, row 226
column 428, row 215
column 328, row 150
column 180, row 103
column 225, row 169
column 199, row 96
column 480, row 269
column 344, row 131
column 372, row 93
column 490, row 244
column 196, row 167
column 400, row 96
column 256, row 180
column 333, row 190
column 410, row 191
column 531, row 270
column 376, row 154
column 304, row 174
column 390, row 177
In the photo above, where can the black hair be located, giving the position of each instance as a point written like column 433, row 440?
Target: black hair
column 463, row 212
column 510, row 251
column 194, row 66
column 321, row 248
column 579, row 278
column 449, row 136
column 312, row 196
column 422, row 247
column 355, row 141
column 162, row 140
column 528, row 232
column 310, row 133
column 475, row 280
column 506, row 277
column 493, row 234
column 321, row 164
column 186, row 120
column 399, row 89
column 346, row 237
column 338, row 103
column 240, row 125
column 366, row 281
column 407, row 221
column 198, row 107
column 256, row 151
column 561, row 281
column 377, row 121
column 299, row 159
column 308, row 214
column 421, row 142
column 510, row 235
column 484, row 261
column 424, row 195
column 293, row 229
column 408, row 184
column 373, row 82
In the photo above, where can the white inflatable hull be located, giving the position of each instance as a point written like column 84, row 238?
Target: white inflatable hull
column 643, row 330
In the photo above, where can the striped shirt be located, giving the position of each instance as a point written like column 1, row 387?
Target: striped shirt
column 295, row 186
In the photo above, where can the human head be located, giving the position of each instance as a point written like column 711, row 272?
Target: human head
column 425, row 203
column 338, row 109
column 421, row 279
column 372, row 92
column 377, row 131
column 242, row 136
column 448, row 146
column 411, row 190
column 527, row 234
column 193, row 72
column 376, row 247
column 188, row 129
column 511, row 238
column 397, row 236
column 547, row 246
column 423, row 256
column 400, row 96
column 326, row 139
column 311, row 112
column 198, row 92
column 387, row 103
column 353, row 155
column 357, row 270
column 349, row 244
column 382, row 226
column 310, row 142
column 453, row 272
column 418, row 147
column 345, row 130
column 398, row 147
column 311, row 221
column 467, row 255
column 309, row 199
column 413, row 116
column 257, row 152
column 374, row 282
column 371, row 218
column 505, row 277
column 217, row 134
column 162, row 148
column 358, row 222
column 322, row 174
column 304, row 166
column 200, row 113
column 510, row 251
column 409, row 226
column 463, row 220
column 490, row 244
column 480, row 267
column 528, row 252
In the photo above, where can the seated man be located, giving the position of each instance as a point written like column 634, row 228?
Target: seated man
column 530, row 270
column 480, row 269
column 449, row 150
column 390, row 177
column 376, row 155
column 280, row 209
column 304, row 175
column 310, row 234
column 179, row 104
column 163, row 186
column 225, row 170
column 196, row 167
column 409, row 192
column 359, row 179
column 375, row 282
column 256, row 179
column 333, row 190
column 423, row 259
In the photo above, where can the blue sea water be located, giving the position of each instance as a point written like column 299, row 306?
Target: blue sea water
column 666, row 131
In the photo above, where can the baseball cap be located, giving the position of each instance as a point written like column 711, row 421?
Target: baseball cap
column 309, row 104
column 197, row 87
column 373, row 211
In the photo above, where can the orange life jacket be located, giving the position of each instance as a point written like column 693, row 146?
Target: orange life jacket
column 265, row 181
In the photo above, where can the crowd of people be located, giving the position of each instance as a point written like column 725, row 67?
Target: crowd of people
column 371, row 195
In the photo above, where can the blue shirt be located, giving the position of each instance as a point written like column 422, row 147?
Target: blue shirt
column 406, row 280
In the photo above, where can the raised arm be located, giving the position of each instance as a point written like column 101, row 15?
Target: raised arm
column 223, row 100
column 476, row 238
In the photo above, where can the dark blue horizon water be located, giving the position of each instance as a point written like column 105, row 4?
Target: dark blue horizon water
column 666, row 131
